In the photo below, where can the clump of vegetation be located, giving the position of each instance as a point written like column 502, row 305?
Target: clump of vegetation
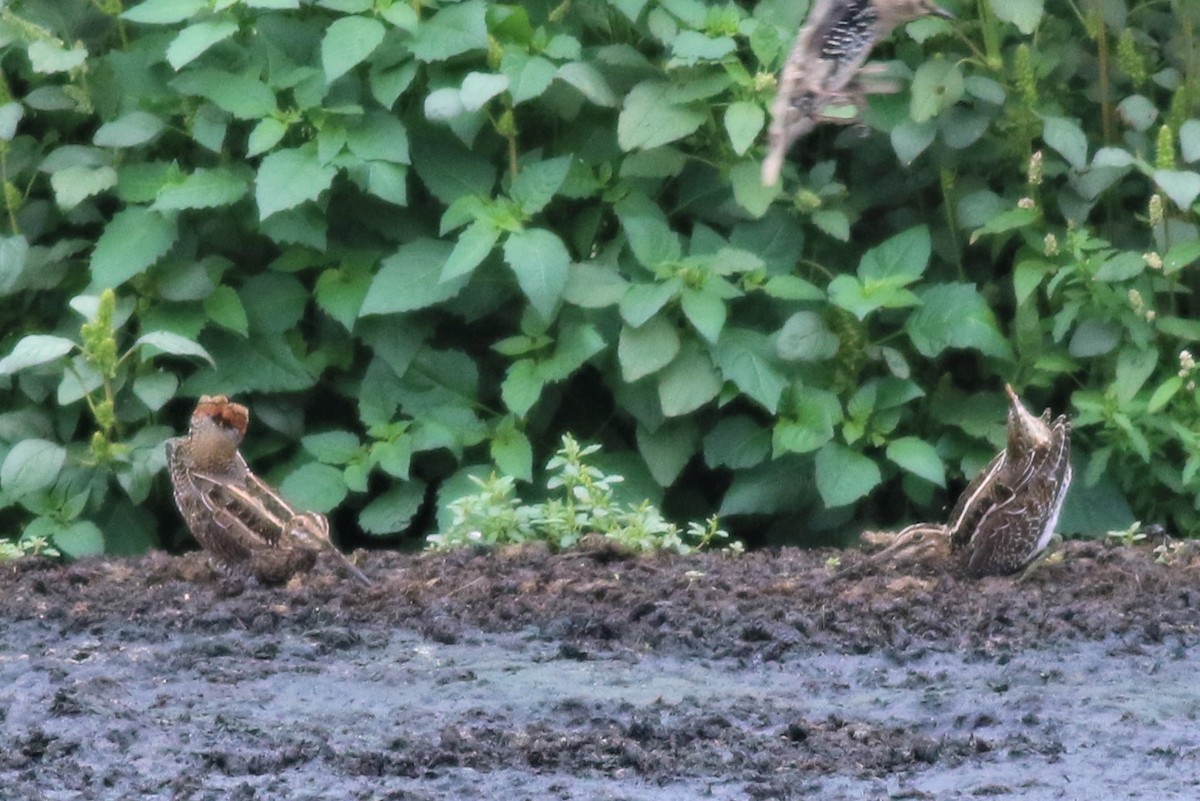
column 582, row 502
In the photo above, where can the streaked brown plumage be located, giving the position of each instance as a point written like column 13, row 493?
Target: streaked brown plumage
column 1006, row 516
column 244, row 525
column 822, row 70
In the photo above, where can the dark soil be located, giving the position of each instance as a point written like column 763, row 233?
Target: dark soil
column 521, row 674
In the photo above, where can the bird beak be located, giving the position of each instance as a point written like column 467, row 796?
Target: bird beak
column 1030, row 423
column 941, row 12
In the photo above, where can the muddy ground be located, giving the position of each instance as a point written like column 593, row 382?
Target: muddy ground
column 524, row 675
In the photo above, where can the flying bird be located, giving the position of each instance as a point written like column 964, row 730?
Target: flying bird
column 245, row 526
column 820, row 78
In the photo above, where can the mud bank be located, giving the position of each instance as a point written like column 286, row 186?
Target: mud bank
column 529, row 675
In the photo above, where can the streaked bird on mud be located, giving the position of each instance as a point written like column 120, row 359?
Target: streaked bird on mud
column 248, row 530
column 822, row 79
column 1005, row 519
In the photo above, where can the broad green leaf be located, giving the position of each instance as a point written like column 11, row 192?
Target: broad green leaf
column 528, row 75
column 265, row 136
column 937, row 85
column 705, row 311
column 810, row 423
column 73, row 185
column 687, row 383
column 133, row 240
column 1006, row 221
column 850, row 294
column 473, row 246
column 689, row 48
column 737, row 442
column 275, row 302
column 900, row 259
column 314, row 487
column 955, row 316
column 33, row 350
column 388, row 182
column 1163, row 394
column 648, row 117
column 340, row 293
column 512, row 452
column 348, row 42
column 450, row 171
column 590, row 82
column 1189, row 141
column 31, row 466
column 11, row 114
column 1138, row 112
column 1181, row 186
column 243, row 96
column 593, row 287
column 1182, row 254
column 648, row 348
column 522, row 387
column 203, row 189
column 48, row 56
column 910, row 139
column 78, row 539
column 667, row 450
column 1180, row 327
column 1025, row 14
column 537, row 183
column 132, row 129
column 453, row 30
column 748, row 189
column 805, row 337
column 257, row 364
column 287, row 178
column 539, row 259
column 779, row 485
column 743, row 122
column 411, row 279
column 155, row 389
column 379, row 137
column 844, row 475
column 745, row 358
column 1068, row 139
column 193, row 40
column 393, row 511
column 174, row 344
column 791, row 287
column 164, row 12
column 332, row 447
column 650, row 237
column 1121, row 267
column 1134, row 368
column 919, row 458
column 1094, row 337
column 643, row 301
column 480, row 87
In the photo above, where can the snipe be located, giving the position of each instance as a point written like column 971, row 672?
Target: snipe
column 1005, row 518
column 242, row 522
column 824, row 78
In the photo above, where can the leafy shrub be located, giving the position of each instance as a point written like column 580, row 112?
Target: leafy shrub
column 426, row 239
column 583, row 503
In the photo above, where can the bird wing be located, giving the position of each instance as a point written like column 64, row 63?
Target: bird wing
column 1014, row 530
column 980, row 494
column 845, row 36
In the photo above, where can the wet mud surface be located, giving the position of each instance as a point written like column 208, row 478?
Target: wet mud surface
column 525, row 675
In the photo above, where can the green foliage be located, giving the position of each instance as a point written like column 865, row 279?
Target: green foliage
column 582, row 502
column 422, row 238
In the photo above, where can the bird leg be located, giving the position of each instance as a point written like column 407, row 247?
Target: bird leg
column 1049, row 553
